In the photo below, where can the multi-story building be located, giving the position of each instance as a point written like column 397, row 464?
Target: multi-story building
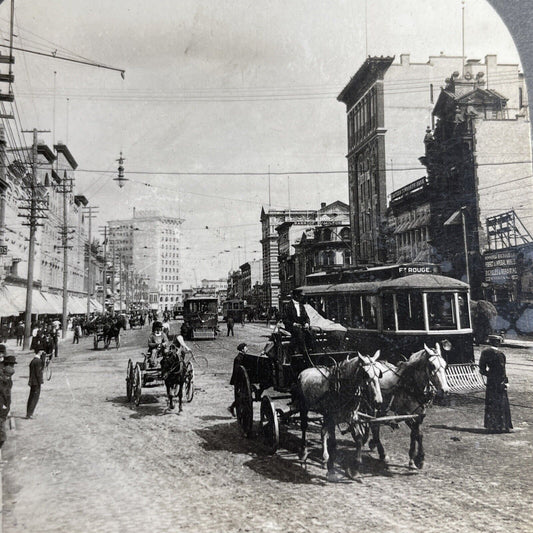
column 252, row 275
column 388, row 104
column 148, row 247
column 53, row 169
column 297, row 257
column 270, row 220
column 478, row 160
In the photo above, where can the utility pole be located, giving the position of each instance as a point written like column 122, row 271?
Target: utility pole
column 35, row 210
column 65, row 232
column 113, row 274
column 90, row 214
column 120, row 280
column 103, row 231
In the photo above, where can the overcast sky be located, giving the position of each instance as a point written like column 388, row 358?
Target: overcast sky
column 211, row 86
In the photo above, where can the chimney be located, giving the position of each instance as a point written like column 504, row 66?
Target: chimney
column 405, row 59
column 322, row 205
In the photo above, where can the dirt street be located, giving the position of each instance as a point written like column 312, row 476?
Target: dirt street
column 91, row 462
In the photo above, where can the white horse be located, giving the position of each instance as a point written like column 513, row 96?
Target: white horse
column 337, row 393
column 408, row 389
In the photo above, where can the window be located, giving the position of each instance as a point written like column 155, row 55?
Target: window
column 463, row 310
column 441, row 311
column 388, row 312
column 410, row 311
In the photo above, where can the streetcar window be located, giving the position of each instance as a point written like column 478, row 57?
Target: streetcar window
column 410, row 311
column 356, row 312
column 463, row 310
column 441, row 311
column 369, row 305
column 387, row 304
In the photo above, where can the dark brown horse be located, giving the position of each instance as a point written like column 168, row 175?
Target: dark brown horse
column 408, row 389
column 175, row 371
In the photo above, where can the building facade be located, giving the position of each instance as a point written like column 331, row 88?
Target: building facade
column 387, row 105
column 147, row 248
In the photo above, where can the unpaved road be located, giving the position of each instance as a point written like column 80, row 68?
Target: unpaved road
column 91, row 462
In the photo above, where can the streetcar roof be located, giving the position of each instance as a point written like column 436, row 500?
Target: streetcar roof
column 425, row 281
column 413, row 281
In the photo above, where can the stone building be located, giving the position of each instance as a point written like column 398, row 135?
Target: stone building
column 478, row 161
column 148, row 246
column 387, row 105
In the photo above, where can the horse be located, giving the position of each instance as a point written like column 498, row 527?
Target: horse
column 408, row 389
column 337, row 393
column 112, row 331
column 174, row 370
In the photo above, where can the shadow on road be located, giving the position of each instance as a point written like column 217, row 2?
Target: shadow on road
column 148, row 406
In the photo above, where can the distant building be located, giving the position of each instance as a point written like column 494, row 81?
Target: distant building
column 387, row 105
column 148, row 247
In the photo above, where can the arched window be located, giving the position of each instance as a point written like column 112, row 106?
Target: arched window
column 329, row 258
column 347, row 256
column 345, row 234
column 326, row 235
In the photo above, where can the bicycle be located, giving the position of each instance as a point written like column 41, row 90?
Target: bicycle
column 46, row 358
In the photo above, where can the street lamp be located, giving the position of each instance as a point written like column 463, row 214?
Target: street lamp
column 120, row 178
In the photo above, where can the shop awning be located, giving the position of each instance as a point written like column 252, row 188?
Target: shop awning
column 6, row 307
column 55, row 301
column 39, row 305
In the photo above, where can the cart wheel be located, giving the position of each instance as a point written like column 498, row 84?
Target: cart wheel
column 95, row 343
column 137, row 384
column 189, row 382
column 243, row 401
column 129, row 380
column 269, row 425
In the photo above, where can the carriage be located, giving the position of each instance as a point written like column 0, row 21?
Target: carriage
column 141, row 374
column 136, row 321
column 98, row 335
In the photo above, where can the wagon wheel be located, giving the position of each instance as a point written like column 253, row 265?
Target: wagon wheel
column 243, row 401
column 129, row 380
column 189, row 382
column 269, row 425
column 137, row 384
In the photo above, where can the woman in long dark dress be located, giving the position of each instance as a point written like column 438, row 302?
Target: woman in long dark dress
column 497, row 410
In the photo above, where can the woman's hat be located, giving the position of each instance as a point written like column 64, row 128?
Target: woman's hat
column 8, row 360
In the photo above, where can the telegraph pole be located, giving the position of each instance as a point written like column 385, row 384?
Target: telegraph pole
column 120, row 280
column 90, row 213
column 103, row 230
column 65, row 230
column 35, row 209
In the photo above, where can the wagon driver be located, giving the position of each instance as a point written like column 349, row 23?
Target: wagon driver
column 157, row 343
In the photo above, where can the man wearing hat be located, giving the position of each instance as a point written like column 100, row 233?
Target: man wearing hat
column 35, row 381
column 7, row 369
column 241, row 350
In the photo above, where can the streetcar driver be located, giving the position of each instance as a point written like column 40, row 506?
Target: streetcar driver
column 157, row 343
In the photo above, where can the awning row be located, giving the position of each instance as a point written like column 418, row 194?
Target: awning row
column 418, row 222
column 13, row 302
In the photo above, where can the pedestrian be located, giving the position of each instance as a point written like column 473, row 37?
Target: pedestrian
column 497, row 409
column 230, row 323
column 241, row 351
column 7, row 369
column 35, row 381
column 20, row 333
column 77, row 333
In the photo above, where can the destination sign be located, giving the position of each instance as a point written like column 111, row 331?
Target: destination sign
column 3, row 249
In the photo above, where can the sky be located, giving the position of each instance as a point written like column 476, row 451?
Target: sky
column 241, row 87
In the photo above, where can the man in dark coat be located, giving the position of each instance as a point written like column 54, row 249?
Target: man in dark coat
column 296, row 322
column 35, row 381
column 7, row 369
column 497, row 410
column 230, row 323
column 241, row 351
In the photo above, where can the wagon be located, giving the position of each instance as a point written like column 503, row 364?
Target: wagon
column 277, row 371
column 98, row 336
column 139, row 375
